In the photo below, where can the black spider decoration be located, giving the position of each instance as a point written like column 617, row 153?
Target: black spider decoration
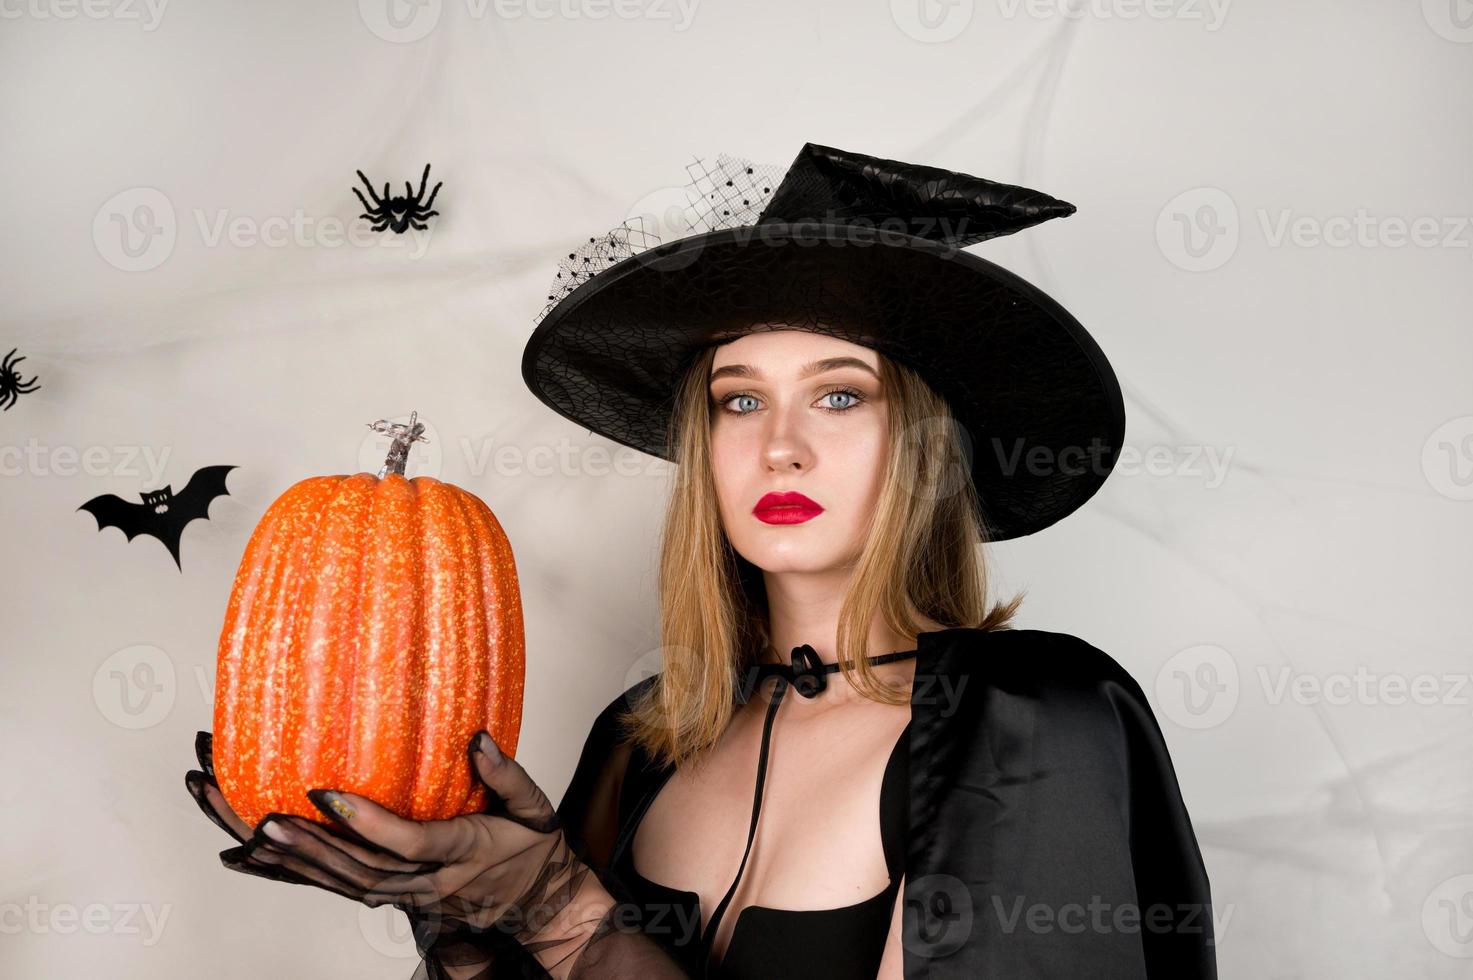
column 399, row 213
column 11, row 385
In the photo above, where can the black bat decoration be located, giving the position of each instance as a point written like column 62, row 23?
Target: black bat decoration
column 163, row 514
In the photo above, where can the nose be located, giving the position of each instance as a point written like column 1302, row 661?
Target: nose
column 784, row 448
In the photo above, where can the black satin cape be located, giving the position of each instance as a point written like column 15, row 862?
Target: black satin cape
column 1048, row 837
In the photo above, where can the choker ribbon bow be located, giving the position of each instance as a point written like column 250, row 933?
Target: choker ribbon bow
column 806, row 673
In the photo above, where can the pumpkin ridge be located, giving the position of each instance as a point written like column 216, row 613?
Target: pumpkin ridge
column 508, row 669
column 283, row 609
column 275, row 615
column 235, row 687
column 469, row 640
column 388, row 701
column 423, row 667
column 327, row 728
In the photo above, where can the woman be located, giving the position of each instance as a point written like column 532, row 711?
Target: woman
column 943, row 795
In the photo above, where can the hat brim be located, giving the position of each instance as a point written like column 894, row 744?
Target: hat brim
column 1033, row 392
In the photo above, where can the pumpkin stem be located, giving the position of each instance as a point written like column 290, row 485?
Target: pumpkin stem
column 403, row 436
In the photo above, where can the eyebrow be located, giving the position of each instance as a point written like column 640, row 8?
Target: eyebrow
column 808, row 370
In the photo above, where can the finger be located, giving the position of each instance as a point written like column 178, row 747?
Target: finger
column 206, row 793
column 256, row 859
column 298, row 869
column 522, row 800
column 370, row 855
column 411, row 841
column 231, row 859
column 406, row 891
column 345, row 829
column 204, row 750
column 282, row 833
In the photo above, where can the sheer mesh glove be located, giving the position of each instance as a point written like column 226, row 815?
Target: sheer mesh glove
column 205, row 789
column 498, row 893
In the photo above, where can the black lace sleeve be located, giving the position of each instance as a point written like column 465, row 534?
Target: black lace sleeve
column 589, row 812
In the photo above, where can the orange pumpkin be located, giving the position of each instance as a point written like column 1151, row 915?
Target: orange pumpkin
column 374, row 626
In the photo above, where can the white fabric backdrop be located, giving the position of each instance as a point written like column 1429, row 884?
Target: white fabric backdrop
column 172, row 265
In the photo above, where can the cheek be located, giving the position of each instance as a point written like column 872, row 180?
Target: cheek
column 729, row 460
column 863, row 446
column 862, row 461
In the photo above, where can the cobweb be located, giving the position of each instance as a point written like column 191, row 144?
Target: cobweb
column 729, row 193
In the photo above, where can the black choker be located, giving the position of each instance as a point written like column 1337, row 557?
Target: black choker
column 806, row 673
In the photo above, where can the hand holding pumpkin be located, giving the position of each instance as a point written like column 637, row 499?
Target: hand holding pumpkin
column 202, row 785
column 509, row 868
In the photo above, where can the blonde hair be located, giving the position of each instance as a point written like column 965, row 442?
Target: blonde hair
column 922, row 554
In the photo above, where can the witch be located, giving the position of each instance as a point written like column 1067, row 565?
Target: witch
column 855, row 405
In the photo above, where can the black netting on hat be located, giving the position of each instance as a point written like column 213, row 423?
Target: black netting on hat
column 1036, row 399
column 597, row 254
column 724, row 193
column 731, row 192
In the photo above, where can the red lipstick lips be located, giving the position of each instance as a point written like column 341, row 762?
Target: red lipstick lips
column 790, row 507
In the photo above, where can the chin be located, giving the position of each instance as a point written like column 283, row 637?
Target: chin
column 799, row 552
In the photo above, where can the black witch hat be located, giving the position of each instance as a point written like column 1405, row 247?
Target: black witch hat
column 856, row 247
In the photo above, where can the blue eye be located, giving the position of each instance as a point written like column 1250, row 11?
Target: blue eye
column 854, row 396
column 840, row 394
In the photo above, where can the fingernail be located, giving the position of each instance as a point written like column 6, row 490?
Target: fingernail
column 488, row 746
column 233, row 857
column 204, row 749
column 194, row 781
column 328, row 800
column 274, row 830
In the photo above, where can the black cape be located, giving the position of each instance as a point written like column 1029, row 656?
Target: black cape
column 1048, row 837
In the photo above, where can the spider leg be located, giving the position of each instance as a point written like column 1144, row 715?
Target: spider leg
column 409, row 191
column 362, row 201
column 6, row 365
column 370, row 190
column 26, row 386
column 370, row 217
column 422, row 214
column 417, row 226
column 431, row 201
column 424, row 178
column 8, row 399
